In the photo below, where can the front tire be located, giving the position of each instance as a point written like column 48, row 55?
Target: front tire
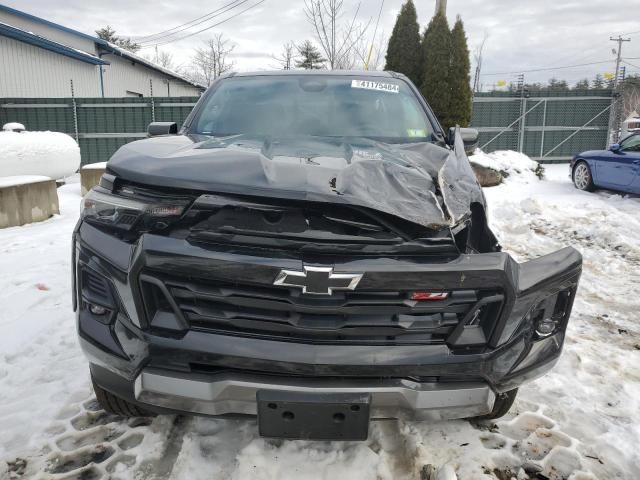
column 582, row 178
column 116, row 405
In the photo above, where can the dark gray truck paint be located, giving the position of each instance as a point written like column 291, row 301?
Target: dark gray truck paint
column 140, row 342
column 313, row 169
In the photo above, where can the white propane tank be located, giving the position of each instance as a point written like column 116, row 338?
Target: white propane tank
column 13, row 127
column 52, row 154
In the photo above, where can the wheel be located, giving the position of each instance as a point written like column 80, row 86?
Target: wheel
column 117, row 405
column 503, row 403
column 582, row 178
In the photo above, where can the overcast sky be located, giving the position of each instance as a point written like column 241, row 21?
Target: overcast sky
column 522, row 34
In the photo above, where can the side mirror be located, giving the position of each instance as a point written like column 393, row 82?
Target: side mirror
column 469, row 137
column 615, row 147
column 162, row 128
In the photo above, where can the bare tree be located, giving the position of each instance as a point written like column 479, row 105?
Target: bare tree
column 212, row 60
column 371, row 56
column 477, row 56
column 336, row 39
column 164, row 59
column 286, row 58
column 630, row 95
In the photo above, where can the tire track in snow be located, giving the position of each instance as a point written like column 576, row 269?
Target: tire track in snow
column 593, row 391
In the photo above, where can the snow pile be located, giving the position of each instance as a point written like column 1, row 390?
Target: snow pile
column 95, row 166
column 52, row 154
column 509, row 163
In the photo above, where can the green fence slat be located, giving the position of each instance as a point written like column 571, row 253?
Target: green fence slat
column 566, row 112
column 113, row 116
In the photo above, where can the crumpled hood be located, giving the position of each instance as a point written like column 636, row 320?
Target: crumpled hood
column 401, row 180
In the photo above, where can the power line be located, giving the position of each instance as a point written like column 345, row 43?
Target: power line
column 631, row 33
column 533, row 70
column 147, row 38
column 630, row 64
column 209, row 27
column 564, row 58
column 227, row 8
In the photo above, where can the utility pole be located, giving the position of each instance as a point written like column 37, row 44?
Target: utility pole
column 615, row 115
column 441, row 7
column 523, row 111
column 620, row 41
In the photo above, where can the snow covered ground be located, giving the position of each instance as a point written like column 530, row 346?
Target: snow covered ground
column 580, row 422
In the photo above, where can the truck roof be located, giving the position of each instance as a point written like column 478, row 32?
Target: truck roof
column 312, row 73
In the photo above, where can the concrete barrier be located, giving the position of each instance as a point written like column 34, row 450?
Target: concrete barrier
column 90, row 176
column 27, row 199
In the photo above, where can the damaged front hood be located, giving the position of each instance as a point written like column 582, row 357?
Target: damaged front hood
column 419, row 182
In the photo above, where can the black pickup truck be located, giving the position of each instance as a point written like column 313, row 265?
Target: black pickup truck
column 311, row 248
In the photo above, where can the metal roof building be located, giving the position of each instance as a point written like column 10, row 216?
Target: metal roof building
column 41, row 59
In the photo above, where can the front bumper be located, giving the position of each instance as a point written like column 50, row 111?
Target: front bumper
column 236, row 394
column 154, row 367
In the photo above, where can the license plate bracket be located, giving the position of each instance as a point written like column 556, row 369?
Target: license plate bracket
column 313, row 416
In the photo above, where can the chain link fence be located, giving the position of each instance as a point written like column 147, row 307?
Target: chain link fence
column 547, row 126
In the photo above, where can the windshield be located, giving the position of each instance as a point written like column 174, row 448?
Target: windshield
column 379, row 108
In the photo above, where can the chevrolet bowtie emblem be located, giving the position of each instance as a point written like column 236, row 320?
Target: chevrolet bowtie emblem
column 318, row 280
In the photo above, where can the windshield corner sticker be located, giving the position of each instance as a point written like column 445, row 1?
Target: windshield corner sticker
column 416, row 132
column 378, row 86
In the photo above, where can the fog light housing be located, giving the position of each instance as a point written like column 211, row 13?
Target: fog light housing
column 97, row 309
column 546, row 327
column 551, row 313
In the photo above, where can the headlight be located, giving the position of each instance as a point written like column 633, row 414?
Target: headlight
column 551, row 315
column 125, row 213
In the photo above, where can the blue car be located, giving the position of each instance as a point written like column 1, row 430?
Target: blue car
column 617, row 168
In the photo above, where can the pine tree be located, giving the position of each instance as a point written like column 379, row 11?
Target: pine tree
column 598, row 82
column 311, row 59
column 109, row 34
column 556, row 85
column 436, row 48
column 610, row 83
column 459, row 78
column 582, row 84
column 535, row 87
column 403, row 52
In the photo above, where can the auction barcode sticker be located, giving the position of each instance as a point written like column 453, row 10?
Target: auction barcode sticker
column 379, row 86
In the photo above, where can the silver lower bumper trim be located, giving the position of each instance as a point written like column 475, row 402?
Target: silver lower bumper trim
column 394, row 398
